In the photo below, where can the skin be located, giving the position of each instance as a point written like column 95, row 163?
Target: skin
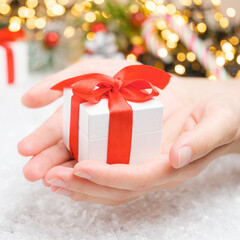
column 199, row 114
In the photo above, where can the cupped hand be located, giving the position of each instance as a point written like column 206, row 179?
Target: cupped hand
column 197, row 125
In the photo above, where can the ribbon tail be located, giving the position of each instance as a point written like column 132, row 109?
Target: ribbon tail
column 120, row 129
column 10, row 63
column 74, row 126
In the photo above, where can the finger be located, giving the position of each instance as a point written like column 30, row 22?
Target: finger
column 41, row 94
column 86, row 198
column 48, row 134
column 135, row 177
column 63, row 177
column 210, row 126
column 39, row 165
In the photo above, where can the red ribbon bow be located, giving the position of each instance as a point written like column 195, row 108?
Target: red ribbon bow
column 135, row 83
column 6, row 36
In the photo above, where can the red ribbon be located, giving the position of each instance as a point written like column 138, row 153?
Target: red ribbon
column 135, row 83
column 5, row 37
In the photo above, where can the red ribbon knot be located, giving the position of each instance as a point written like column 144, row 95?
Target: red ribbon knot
column 137, row 83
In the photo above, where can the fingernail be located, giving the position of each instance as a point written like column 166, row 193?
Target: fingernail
column 57, row 182
column 185, row 155
column 83, row 175
column 64, row 192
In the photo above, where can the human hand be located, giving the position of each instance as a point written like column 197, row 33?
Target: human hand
column 113, row 184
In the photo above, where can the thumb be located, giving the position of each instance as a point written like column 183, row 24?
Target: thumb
column 211, row 125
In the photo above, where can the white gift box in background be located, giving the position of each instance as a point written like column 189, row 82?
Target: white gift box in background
column 93, row 129
column 20, row 56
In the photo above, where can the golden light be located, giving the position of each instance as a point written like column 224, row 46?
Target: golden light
column 63, row 2
column 161, row 9
column 131, row 58
column 171, row 44
column 231, row 12
column 85, row 26
column 158, row 1
column 40, row 23
column 234, row 40
column 90, row 36
column 58, row 9
column 90, row 17
column 197, row 2
column 173, row 37
column 238, row 59
column 179, row 69
column 220, row 61
column 181, row 57
column 218, row 16
column 50, row 3
column 212, row 49
column 4, row 9
column 25, row 12
column 31, row 3
column 99, row 1
column 180, row 20
column 14, row 26
column 186, row 3
column 201, row 27
column 30, row 23
column 216, row 3
column 136, row 40
column 162, row 52
column 224, row 22
column 212, row 78
column 191, row 57
column 134, row 8
column 77, row 9
column 50, row 13
column 161, row 24
column 69, row 32
column 238, row 74
column 165, row 33
column 227, row 47
column 229, row 56
column 15, row 19
column 150, row 6
column 105, row 15
column 171, row 9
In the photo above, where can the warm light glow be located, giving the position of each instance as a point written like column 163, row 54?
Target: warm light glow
column 69, row 32
column 162, row 52
column 40, row 23
column 229, row 56
column 234, row 40
column 58, row 9
column 227, row 47
column 224, row 22
column 165, row 33
column 231, row 12
column 90, row 36
column 14, row 27
column 161, row 24
column 179, row 69
column 32, row 3
column 216, row 2
column 220, row 61
column 212, row 78
column 90, row 17
column 218, row 16
column 171, row 44
column 186, row 3
column 171, row 9
column 150, row 5
column 238, row 59
column 4, row 9
column 173, row 37
column 25, row 12
column 197, row 2
column 201, row 27
column 181, row 57
column 136, row 40
column 161, row 9
column 15, row 19
column 30, row 23
column 99, row 1
column 191, row 57
column 134, row 8
column 131, row 58
column 63, row 2
column 180, row 20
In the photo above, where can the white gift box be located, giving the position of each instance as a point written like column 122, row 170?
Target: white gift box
column 20, row 56
column 93, row 129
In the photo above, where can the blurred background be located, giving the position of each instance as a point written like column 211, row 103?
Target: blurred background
column 184, row 37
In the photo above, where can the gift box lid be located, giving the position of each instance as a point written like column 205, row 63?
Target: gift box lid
column 94, row 118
